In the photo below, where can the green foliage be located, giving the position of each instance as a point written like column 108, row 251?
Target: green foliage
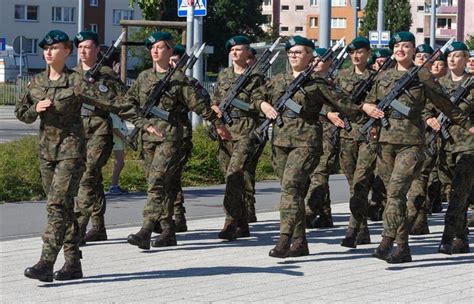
column 397, row 16
column 470, row 42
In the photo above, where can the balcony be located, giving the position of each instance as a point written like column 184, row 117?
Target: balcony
column 445, row 33
column 443, row 10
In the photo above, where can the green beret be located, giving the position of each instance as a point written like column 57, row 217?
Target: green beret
column 179, row 50
column 86, row 35
column 359, row 43
column 53, row 37
column 400, row 37
column 441, row 57
column 424, row 48
column 381, row 53
column 236, row 40
column 319, row 52
column 456, row 46
column 298, row 40
column 157, row 36
column 471, row 54
column 254, row 51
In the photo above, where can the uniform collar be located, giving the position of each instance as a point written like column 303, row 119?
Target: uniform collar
column 62, row 82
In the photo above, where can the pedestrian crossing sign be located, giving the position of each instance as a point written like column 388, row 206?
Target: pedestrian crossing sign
column 200, row 8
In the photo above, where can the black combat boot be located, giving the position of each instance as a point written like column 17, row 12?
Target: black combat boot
column 437, row 206
column 166, row 238
column 180, row 223
column 461, row 245
column 71, row 270
column 374, row 212
column 157, row 227
column 43, row 271
column 298, row 247
column 363, row 237
column 401, row 254
column 384, row 248
column 251, row 213
column 242, row 230
column 282, row 247
column 324, row 220
column 96, row 234
column 229, row 230
column 350, row 240
column 140, row 239
column 420, row 226
column 446, row 246
column 471, row 220
column 310, row 217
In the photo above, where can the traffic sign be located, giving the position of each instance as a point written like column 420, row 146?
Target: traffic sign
column 384, row 37
column 19, row 45
column 3, row 44
column 200, row 8
column 379, row 38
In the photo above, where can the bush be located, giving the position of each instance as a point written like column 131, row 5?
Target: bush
column 20, row 176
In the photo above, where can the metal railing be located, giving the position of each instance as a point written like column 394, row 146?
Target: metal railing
column 10, row 92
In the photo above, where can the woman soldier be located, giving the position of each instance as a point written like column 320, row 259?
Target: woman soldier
column 162, row 151
column 297, row 144
column 402, row 142
column 461, row 156
column 56, row 96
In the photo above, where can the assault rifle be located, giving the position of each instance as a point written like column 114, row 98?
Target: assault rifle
column 158, row 90
column 399, row 88
column 456, row 98
column 285, row 101
column 337, row 63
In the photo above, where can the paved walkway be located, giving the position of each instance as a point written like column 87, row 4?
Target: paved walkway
column 204, row 269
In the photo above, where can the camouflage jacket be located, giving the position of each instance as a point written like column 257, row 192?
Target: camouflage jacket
column 181, row 96
column 304, row 129
column 348, row 80
column 243, row 122
column 185, row 119
column 461, row 140
column 61, row 132
column 97, row 121
column 411, row 130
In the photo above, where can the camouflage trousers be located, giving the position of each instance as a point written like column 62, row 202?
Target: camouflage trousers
column 233, row 157
column 249, row 177
column 60, row 183
column 358, row 163
column 293, row 166
column 318, row 195
column 445, row 171
column 186, row 152
column 463, row 180
column 162, row 162
column 398, row 165
column 91, row 198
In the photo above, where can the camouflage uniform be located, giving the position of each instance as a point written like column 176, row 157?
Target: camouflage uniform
column 98, row 131
column 235, row 154
column 297, row 145
column 402, row 144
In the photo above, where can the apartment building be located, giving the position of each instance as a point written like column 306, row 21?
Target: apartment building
column 454, row 18
column 34, row 18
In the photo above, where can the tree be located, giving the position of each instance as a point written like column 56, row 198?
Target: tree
column 397, row 16
column 470, row 41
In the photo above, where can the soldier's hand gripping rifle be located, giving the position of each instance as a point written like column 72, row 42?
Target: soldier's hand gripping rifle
column 158, row 90
column 285, row 101
column 456, row 98
column 337, row 63
column 399, row 88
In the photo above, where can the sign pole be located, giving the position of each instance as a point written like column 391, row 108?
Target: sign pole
column 189, row 29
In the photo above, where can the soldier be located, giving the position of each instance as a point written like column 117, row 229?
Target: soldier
column 422, row 53
column 378, row 58
column 234, row 154
column 470, row 63
column 401, row 143
column 439, row 67
column 297, row 144
column 55, row 97
column 462, row 154
column 98, row 129
column 318, row 211
column 161, row 150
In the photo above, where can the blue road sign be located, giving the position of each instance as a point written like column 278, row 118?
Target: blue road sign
column 200, row 8
column 3, row 44
column 379, row 38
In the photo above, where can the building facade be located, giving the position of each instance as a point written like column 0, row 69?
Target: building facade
column 34, row 18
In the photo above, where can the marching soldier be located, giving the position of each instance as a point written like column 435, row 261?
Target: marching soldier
column 162, row 149
column 297, row 144
column 401, row 143
column 422, row 53
column 235, row 153
column 98, row 130
column 439, row 67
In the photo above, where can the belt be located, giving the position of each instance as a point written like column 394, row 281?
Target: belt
column 238, row 114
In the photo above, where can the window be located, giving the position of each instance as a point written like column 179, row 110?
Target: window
column 313, row 2
column 267, row 2
column 285, row 7
column 443, row 23
column 31, row 46
column 63, row 14
column 420, row 8
column 284, row 29
column 94, row 27
column 268, row 18
column 26, row 12
column 339, row 3
column 93, row 2
column 299, row 7
column 419, row 30
column 338, row 23
column 122, row 14
column 298, row 28
column 333, row 42
column 313, row 22
column 446, row 3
